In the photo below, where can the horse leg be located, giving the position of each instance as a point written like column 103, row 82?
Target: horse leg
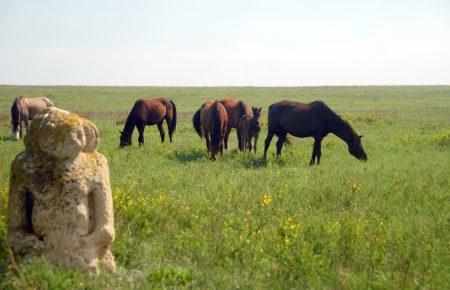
column 20, row 129
column 280, row 142
column 208, row 143
column 140, row 128
column 316, row 153
column 313, row 156
column 239, row 137
column 244, row 143
column 225, row 139
column 318, row 145
column 255, row 142
column 168, row 121
column 27, row 124
column 161, row 131
column 248, row 144
column 267, row 142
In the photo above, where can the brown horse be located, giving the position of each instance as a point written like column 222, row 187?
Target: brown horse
column 235, row 111
column 310, row 120
column 249, row 127
column 24, row 109
column 149, row 112
column 211, row 121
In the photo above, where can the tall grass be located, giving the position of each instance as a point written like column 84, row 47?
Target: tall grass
column 184, row 221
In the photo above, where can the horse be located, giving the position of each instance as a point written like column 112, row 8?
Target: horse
column 235, row 111
column 148, row 113
column 24, row 109
column 315, row 120
column 210, row 122
column 249, row 127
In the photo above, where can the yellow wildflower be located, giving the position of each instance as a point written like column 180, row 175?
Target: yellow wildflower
column 266, row 201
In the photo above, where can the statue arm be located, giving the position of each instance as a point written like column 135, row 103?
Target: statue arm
column 103, row 233
column 21, row 235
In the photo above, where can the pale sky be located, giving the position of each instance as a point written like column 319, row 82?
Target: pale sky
column 224, row 43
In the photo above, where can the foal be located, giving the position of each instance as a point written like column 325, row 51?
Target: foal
column 249, row 127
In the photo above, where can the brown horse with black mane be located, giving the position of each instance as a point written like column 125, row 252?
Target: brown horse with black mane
column 210, row 122
column 149, row 112
column 24, row 109
column 315, row 120
column 235, row 111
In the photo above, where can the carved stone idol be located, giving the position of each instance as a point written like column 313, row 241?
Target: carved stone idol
column 60, row 204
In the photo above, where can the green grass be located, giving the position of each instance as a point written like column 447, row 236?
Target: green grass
column 184, row 221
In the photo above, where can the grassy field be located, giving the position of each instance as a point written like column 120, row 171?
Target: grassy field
column 184, row 221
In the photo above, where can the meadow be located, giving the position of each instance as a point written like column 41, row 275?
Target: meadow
column 183, row 221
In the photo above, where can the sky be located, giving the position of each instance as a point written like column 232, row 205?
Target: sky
column 224, row 43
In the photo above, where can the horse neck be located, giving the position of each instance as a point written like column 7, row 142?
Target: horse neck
column 16, row 111
column 129, row 126
column 343, row 130
column 254, row 124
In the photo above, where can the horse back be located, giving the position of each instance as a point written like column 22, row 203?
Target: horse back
column 32, row 106
column 235, row 110
column 150, row 112
column 298, row 119
column 244, row 122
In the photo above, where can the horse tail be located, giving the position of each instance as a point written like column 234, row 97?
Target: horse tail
column 217, row 126
column 196, row 123
column 173, row 124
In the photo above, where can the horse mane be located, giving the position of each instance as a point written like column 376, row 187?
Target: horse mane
column 336, row 119
column 217, row 126
column 131, row 121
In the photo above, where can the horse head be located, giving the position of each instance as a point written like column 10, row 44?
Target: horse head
column 257, row 118
column 355, row 148
column 15, row 118
column 125, row 139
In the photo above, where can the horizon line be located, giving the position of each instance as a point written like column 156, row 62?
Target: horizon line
column 225, row 86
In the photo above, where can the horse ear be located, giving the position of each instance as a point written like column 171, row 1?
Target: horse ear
column 260, row 109
column 120, row 132
column 360, row 136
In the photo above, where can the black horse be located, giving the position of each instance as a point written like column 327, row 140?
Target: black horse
column 315, row 120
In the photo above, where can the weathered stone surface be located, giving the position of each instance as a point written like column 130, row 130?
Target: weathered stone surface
column 60, row 203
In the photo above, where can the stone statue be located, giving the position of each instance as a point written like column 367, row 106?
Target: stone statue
column 60, row 204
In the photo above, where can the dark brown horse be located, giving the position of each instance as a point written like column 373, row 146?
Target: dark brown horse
column 249, row 127
column 235, row 111
column 149, row 112
column 310, row 120
column 210, row 122
column 24, row 109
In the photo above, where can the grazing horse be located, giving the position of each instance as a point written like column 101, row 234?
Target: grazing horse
column 310, row 120
column 249, row 127
column 235, row 111
column 24, row 109
column 149, row 112
column 210, row 122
